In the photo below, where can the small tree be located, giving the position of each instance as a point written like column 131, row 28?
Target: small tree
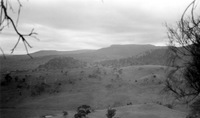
column 65, row 113
column 111, row 113
column 82, row 111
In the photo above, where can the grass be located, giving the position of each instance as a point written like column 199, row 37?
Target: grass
column 98, row 93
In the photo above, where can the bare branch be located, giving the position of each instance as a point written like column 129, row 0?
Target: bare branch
column 3, row 53
column 5, row 17
column 186, row 58
column 15, row 45
column 19, row 10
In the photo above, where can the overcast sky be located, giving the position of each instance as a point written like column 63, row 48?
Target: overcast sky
column 92, row 24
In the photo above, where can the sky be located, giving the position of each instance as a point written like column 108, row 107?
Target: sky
column 67, row 25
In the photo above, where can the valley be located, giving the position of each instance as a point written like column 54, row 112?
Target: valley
column 132, row 83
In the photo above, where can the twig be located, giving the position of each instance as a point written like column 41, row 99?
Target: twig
column 3, row 53
column 4, row 16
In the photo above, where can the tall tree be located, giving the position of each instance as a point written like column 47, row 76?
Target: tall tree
column 184, row 56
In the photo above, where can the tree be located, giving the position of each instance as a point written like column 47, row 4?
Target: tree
column 111, row 113
column 184, row 56
column 6, row 20
column 82, row 111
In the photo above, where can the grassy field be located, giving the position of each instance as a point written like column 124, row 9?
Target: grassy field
column 94, row 85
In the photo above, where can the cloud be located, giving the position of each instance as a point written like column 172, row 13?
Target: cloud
column 91, row 24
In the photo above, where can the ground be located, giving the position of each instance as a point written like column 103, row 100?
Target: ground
column 94, row 85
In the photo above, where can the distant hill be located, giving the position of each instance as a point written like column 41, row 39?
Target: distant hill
column 121, row 51
column 61, row 63
column 54, row 52
column 20, row 62
column 150, row 57
column 112, row 52
column 125, row 50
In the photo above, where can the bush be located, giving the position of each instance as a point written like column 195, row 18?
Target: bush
column 110, row 113
column 170, row 106
column 4, row 83
column 135, row 80
column 92, row 76
column 159, row 103
column 195, row 110
column 65, row 113
column 79, row 115
column 83, row 110
column 38, row 89
column 7, row 80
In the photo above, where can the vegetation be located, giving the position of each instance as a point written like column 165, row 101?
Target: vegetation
column 82, row 111
column 111, row 113
column 184, row 56
column 41, row 88
column 170, row 106
column 145, row 58
column 61, row 63
column 195, row 110
column 38, row 89
column 7, row 80
column 65, row 113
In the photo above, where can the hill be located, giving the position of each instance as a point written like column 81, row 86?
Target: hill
column 150, row 57
column 61, row 63
column 24, row 62
column 96, row 86
column 54, row 52
column 107, row 53
column 121, row 51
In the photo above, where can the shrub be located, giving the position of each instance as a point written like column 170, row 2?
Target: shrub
column 130, row 103
column 83, row 110
column 158, row 102
column 92, row 76
column 4, row 83
column 110, row 113
column 170, row 106
column 38, row 89
column 7, row 80
column 154, row 76
column 79, row 115
column 65, row 113
column 135, row 80
column 195, row 110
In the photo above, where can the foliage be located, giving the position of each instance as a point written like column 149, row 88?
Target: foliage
column 145, row 58
column 82, row 111
column 170, row 106
column 195, row 110
column 86, row 108
column 111, row 113
column 38, row 89
column 184, row 56
column 7, row 80
column 65, row 113
column 41, row 88
column 61, row 63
